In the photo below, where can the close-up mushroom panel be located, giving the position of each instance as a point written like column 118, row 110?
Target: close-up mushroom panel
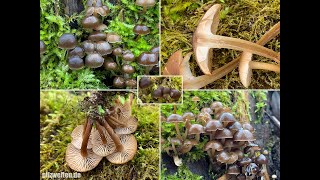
column 160, row 89
column 98, row 44
column 222, row 135
column 98, row 134
column 221, row 44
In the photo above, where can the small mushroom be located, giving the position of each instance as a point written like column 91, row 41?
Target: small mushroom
column 212, row 126
column 67, row 41
column 42, row 47
column 129, row 143
column 274, row 177
column 145, row 82
column 148, row 60
column 176, row 118
column 214, row 146
column 128, row 56
column 223, row 156
column 94, row 60
column 248, row 126
column 215, row 106
column 75, row 63
column 128, row 69
column 187, row 116
column 131, row 83
column 101, row 10
column 243, row 135
column 187, row 146
column 140, row 29
column 236, row 126
column 103, row 48
column 204, row 117
column 227, row 119
column 145, row 4
column 196, row 129
column 207, row 110
column 119, row 82
column 195, row 99
column 251, row 149
column 117, row 51
column 233, row 170
column 88, row 46
column 175, row 142
column 77, row 51
column 97, row 36
column 175, row 94
column 155, row 50
column 90, row 22
column 113, row 38
column 109, row 64
column 100, row 147
column 157, row 93
column 223, row 134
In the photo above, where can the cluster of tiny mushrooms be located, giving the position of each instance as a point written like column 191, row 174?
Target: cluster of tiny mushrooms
column 205, row 38
column 161, row 91
column 230, row 142
column 111, row 138
column 98, row 48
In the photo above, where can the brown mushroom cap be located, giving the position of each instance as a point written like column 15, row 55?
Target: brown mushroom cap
column 227, row 118
column 248, row 126
column 203, row 116
column 243, row 135
column 90, row 22
column 166, row 90
column 129, row 144
column 77, row 139
column 130, row 127
column 141, row 29
column 207, row 110
column 213, row 144
column 219, row 112
column 233, row 169
column 102, row 149
column 117, row 51
column 113, row 38
column 147, row 59
column 103, row 48
column 94, row 3
column 146, row 3
column 144, row 82
column 188, row 116
column 233, row 158
column 119, row 82
column 244, row 161
column 109, row 64
column 128, row 69
column 67, row 41
column 42, row 47
column 261, row 159
column 79, row 163
column 97, row 36
column 75, row 63
column 236, row 126
column 88, row 46
column 213, row 125
column 174, row 118
column 196, row 129
column 241, row 177
column 229, row 143
column 190, row 142
column 128, row 56
column 216, row 105
column 155, row 50
column 132, row 83
column 223, row 156
column 239, row 153
column 77, row 51
column 175, row 94
column 94, row 60
column 195, row 99
column 222, row 134
column 157, row 93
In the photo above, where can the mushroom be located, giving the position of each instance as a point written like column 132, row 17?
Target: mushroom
column 212, row 126
column 236, row 126
column 148, row 60
column 166, row 92
column 187, row 146
column 129, row 144
column 251, row 148
column 233, row 170
column 128, row 56
column 221, row 111
column 196, row 129
column 187, row 116
column 75, row 63
column 140, row 29
column 90, row 22
column 67, row 41
column 101, row 10
column 215, row 106
column 173, row 64
column 274, row 177
column 128, row 69
column 176, row 118
column 223, row 156
column 129, row 127
column 145, row 82
column 103, row 48
column 233, row 158
column 96, row 36
column 119, row 82
column 243, row 135
column 77, row 51
column 88, row 46
column 102, row 146
column 113, row 38
column 77, row 137
column 175, row 94
column 157, row 93
column 227, row 119
column 205, row 38
column 204, row 117
column 131, row 83
column 248, row 126
column 42, row 47
column 214, row 145
column 109, row 64
column 155, row 50
column 117, row 51
column 262, row 160
column 94, row 60
column 244, row 161
column 207, row 110
column 223, row 134
column 145, row 4
column 174, row 142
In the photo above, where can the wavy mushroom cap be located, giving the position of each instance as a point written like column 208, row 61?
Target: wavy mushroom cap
column 77, row 139
column 196, row 129
column 88, row 46
column 141, row 29
column 261, row 159
column 130, row 127
column 216, row 105
column 42, row 47
column 103, row 48
column 128, row 56
column 79, row 163
column 233, row 169
column 213, row 144
column 223, row 134
column 175, row 94
column 94, row 60
column 243, row 135
column 145, row 82
column 129, row 144
column 67, row 41
column 213, row 125
column 248, row 126
column 207, row 110
column 99, row 147
column 173, row 118
column 97, row 36
column 77, row 51
column 113, row 38
column 227, row 118
column 147, row 59
column 119, row 82
column 90, row 22
column 117, row 51
column 188, row 116
column 109, row 64
column 128, row 69
column 131, row 83
column 75, row 63
column 146, row 3
column 155, row 50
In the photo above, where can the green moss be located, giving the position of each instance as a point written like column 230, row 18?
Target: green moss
column 182, row 173
column 244, row 19
column 54, row 70
column 60, row 113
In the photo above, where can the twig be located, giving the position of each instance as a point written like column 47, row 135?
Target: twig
column 274, row 120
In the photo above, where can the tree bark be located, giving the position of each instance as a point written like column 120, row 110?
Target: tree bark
column 72, row 6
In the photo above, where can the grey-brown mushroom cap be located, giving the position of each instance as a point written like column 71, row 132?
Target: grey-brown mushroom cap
column 97, row 36
column 113, row 38
column 222, row 134
column 148, row 59
column 227, row 118
column 77, row 139
column 128, row 56
column 146, row 3
column 213, row 125
column 196, row 129
column 131, row 126
column 223, row 156
column 88, row 46
column 174, row 118
column 77, row 51
column 261, row 159
column 213, row 144
column 102, row 149
column 94, row 60
column 243, row 135
column 207, row 110
column 103, row 48
column 42, row 47
column 79, row 163
column 188, row 116
column 141, row 29
column 75, row 63
column 236, row 126
column 233, row 169
column 129, row 143
column 67, row 41
column 248, row 126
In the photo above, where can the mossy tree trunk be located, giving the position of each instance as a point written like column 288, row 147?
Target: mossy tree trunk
column 72, row 6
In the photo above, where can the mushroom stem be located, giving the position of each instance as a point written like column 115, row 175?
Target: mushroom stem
column 147, row 69
column 174, row 109
column 144, row 9
column 110, row 123
column 223, row 141
column 99, row 128
column 197, row 137
column 265, row 66
column 174, row 148
column 212, row 135
column 212, row 152
column 187, row 126
column 178, row 131
column 210, row 156
column 85, row 140
column 84, row 127
column 113, row 136
column 116, row 120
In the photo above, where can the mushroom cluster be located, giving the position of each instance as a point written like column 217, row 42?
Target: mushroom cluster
column 230, row 142
column 161, row 91
column 111, row 138
column 102, row 49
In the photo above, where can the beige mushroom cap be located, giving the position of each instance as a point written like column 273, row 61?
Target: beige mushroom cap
column 102, row 149
column 196, row 129
column 213, row 125
column 79, row 163
column 225, row 133
column 243, row 135
column 129, row 143
column 77, row 139
column 131, row 126
column 113, row 38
